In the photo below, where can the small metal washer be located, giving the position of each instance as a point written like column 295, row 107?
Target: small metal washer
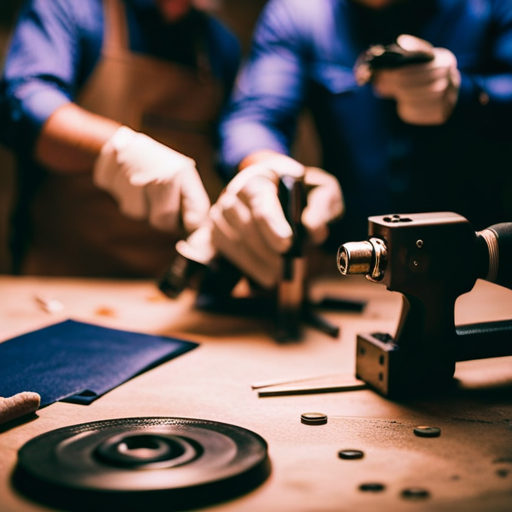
column 350, row 454
column 313, row 418
column 372, row 487
column 425, row 431
column 415, row 493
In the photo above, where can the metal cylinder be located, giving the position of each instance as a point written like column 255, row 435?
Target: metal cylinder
column 355, row 258
column 368, row 258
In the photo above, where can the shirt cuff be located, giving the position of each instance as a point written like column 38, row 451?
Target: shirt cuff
column 40, row 104
column 35, row 105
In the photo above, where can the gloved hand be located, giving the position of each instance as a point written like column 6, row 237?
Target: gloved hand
column 151, row 181
column 249, row 226
column 426, row 94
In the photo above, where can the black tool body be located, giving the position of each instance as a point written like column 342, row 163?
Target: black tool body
column 291, row 290
column 431, row 259
column 391, row 56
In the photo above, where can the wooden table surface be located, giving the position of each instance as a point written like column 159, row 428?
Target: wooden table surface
column 467, row 468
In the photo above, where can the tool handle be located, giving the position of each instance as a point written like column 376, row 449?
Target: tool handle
column 290, row 290
column 389, row 56
column 483, row 340
column 293, row 200
column 178, row 275
column 498, row 253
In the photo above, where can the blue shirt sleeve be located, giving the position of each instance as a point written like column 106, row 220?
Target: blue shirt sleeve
column 44, row 65
column 269, row 91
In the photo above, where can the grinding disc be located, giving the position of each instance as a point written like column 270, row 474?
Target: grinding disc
column 141, row 464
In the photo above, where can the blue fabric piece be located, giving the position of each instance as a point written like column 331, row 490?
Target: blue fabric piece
column 78, row 362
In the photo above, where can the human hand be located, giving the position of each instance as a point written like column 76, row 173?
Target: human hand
column 151, row 181
column 18, row 405
column 248, row 225
column 426, row 93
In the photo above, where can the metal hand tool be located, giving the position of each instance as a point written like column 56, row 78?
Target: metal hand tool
column 431, row 259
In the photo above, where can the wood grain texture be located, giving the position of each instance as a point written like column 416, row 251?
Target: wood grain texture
column 467, row 469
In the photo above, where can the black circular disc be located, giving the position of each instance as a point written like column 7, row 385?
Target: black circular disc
column 425, row 431
column 141, row 463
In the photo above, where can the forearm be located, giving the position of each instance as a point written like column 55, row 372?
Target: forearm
column 72, row 138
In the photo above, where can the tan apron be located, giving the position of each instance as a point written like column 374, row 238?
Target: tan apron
column 78, row 229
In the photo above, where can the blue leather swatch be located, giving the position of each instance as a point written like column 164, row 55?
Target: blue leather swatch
column 78, row 362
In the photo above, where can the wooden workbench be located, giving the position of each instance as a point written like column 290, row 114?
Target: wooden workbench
column 467, row 468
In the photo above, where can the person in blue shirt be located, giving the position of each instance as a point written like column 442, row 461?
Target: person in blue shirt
column 432, row 136
column 111, row 108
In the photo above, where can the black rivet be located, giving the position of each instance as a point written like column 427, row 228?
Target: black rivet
column 313, row 418
column 424, row 431
column 372, row 487
column 502, row 472
column 350, row 454
column 415, row 493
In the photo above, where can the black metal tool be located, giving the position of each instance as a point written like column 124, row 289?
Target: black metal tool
column 215, row 278
column 405, row 51
column 291, row 290
column 431, row 259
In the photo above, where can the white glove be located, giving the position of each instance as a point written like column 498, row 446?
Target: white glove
column 151, row 181
column 426, row 94
column 249, row 226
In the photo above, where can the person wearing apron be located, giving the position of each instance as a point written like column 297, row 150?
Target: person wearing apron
column 127, row 167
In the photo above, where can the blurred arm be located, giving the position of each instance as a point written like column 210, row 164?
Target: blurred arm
column 72, row 138
column 269, row 93
column 54, row 48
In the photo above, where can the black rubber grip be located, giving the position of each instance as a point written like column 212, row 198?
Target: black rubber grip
column 178, row 275
column 484, row 340
column 293, row 201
